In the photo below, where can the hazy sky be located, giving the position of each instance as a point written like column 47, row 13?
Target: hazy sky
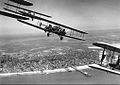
column 81, row 14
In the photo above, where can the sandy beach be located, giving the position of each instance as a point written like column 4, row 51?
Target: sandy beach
column 45, row 71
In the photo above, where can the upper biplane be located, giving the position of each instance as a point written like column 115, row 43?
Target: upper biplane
column 53, row 28
column 113, row 61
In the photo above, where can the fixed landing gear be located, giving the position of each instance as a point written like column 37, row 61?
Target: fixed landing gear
column 48, row 34
column 61, row 37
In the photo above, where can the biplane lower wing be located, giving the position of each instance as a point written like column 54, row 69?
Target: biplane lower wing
column 13, row 15
column 22, row 2
column 74, row 37
column 98, row 67
column 32, row 25
column 47, row 30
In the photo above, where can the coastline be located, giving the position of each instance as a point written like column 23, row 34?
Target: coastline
column 45, row 71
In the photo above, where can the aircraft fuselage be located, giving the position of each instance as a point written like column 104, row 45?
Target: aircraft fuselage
column 114, row 66
column 56, row 30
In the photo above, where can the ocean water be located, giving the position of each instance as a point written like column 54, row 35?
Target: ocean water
column 98, row 77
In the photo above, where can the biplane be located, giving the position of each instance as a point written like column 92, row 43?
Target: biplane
column 52, row 29
column 113, row 61
column 57, row 29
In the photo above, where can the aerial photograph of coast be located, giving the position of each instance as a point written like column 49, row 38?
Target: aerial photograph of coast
column 59, row 41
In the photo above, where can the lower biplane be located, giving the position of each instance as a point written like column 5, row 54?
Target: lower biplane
column 113, row 61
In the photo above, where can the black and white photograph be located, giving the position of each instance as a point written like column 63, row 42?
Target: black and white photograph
column 59, row 41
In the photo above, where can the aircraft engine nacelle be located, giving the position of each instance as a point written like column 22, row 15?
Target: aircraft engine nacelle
column 55, row 28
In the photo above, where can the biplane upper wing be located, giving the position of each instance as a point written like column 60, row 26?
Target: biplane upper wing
column 107, row 46
column 28, row 10
column 22, row 2
column 46, row 20
column 64, row 26
column 13, row 15
column 98, row 67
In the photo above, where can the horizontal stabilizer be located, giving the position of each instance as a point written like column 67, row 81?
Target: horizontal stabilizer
column 13, row 15
column 98, row 67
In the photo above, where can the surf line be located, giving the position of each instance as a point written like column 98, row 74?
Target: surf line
column 46, row 71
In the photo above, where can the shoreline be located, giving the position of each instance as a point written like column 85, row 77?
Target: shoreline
column 45, row 71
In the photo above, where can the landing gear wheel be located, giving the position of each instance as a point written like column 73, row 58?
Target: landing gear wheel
column 48, row 34
column 61, row 38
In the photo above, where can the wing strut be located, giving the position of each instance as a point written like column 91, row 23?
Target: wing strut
column 103, row 56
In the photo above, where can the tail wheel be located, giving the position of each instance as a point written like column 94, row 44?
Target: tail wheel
column 61, row 38
column 48, row 34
